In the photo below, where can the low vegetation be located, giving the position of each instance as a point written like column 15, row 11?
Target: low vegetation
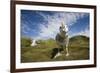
column 43, row 51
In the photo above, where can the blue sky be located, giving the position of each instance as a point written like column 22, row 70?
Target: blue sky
column 45, row 24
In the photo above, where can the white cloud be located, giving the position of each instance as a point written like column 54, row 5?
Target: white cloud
column 50, row 29
column 85, row 32
column 25, row 28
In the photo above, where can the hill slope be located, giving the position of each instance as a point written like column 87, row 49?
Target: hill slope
column 79, row 41
column 78, row 49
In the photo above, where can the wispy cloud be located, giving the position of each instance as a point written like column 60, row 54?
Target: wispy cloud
column 25, row 28
column 51, row 28
column 85, row 32
column 45, row 24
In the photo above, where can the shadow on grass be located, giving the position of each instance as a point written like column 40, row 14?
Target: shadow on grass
column 55, row 51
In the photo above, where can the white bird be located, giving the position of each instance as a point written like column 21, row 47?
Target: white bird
column 33, row 43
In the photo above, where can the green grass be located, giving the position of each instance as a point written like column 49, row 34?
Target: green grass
column 40, row 55
column 43, row 51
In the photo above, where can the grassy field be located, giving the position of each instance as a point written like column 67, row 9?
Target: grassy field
column 45, row 49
